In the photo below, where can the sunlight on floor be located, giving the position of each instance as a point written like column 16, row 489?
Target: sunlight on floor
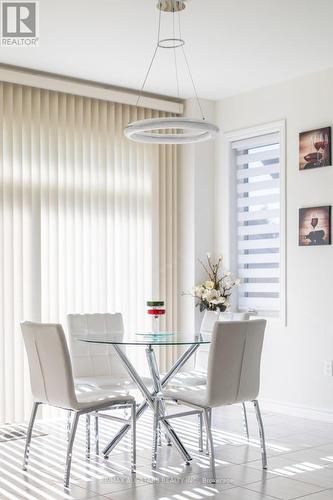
column 43, row 480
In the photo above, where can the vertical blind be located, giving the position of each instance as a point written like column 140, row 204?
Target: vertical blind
column 258, row 222
column 87, row 221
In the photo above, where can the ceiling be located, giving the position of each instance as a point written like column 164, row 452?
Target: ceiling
column 232, row 45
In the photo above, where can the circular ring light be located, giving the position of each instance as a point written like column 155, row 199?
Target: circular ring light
column 171, row 43
column 192, row 130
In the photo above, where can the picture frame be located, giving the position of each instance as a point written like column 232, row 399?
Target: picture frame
column 315, row 226
column 315, row 148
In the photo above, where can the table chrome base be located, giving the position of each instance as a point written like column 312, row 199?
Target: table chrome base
column 151, row 396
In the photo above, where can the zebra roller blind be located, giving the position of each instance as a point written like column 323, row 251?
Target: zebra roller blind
column 258, row 188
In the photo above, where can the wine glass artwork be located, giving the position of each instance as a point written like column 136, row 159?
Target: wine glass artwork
column 314, row 222
column 155, row 309
column 318, row 141
column 315, row 148
column 325, row 141
column 315, row 226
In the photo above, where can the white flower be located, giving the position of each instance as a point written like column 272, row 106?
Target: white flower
column 211, row 294
column 198, row 291
column 207, row 295
column 218, row 300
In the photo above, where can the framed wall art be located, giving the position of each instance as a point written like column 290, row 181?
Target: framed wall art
column 314, row 226
column 315, row 148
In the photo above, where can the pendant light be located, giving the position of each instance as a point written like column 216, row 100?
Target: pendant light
column 173, row 130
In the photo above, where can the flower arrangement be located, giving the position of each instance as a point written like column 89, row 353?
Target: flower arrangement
column 214, row 293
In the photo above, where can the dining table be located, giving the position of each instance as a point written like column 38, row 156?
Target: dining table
column 119, row 341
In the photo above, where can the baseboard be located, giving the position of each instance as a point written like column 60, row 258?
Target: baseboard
column 321, row 414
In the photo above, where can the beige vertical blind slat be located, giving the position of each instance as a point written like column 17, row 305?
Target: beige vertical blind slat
column 167, row 209
column 80, row 215
column 174, row 256
column 17, row 243
column 168, row 241
column 9, row 263
column 2, row 237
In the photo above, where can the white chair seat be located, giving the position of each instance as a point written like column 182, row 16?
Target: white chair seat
column 193, row 396
column 101, row 398
column 83, row 389
column 106, row 382
column 189, row 378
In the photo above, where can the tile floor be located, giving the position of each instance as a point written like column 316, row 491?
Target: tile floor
column 300, row 463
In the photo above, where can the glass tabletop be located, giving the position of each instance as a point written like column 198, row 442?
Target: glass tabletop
column 162, row 338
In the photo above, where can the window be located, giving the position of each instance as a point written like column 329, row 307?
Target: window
column 259, row 222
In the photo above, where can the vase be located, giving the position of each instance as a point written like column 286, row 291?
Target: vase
column 156, row 310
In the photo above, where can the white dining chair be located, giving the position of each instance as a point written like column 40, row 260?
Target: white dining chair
column 198, row 375
column 234, row 316
column 208, row 321
column 52, row 383
column 97, row 365
column 233, row 376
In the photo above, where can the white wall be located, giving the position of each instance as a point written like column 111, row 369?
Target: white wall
column 294, row 355
column 196, row 214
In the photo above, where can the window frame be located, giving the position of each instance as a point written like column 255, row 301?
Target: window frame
column 244, row 134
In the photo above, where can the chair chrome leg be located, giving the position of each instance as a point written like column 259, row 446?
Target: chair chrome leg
column 87, row 436
column 69, row 419
column 166, row 435
column 208, row 423
column 156, row 434
column 168, row 440
column 133, row 441
column 245, row 422
column 261, row 434
column 159, row 434
column 70, row 449
column 200, row 432
column 96, row 435
column 29, row 434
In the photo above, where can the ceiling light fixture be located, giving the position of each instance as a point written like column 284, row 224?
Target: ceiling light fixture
column 176, row 129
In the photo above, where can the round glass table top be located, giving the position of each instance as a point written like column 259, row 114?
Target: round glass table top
column 162, row 338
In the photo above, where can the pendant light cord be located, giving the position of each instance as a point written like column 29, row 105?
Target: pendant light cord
column 152, row 60
column 175, row 57
column 176, row 66
column 190, row 73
